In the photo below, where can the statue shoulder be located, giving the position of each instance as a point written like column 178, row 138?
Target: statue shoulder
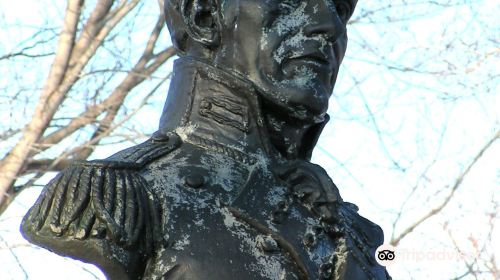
column 103, row 211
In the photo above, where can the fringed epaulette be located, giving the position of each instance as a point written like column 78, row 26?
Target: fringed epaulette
column 102, row 200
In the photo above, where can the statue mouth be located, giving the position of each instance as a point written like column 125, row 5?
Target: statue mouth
column 314, row 58
column 307, row 63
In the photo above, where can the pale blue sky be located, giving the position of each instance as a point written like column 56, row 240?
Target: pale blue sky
column 434, row 121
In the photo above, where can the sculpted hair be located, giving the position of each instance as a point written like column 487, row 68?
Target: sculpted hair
column 175, row 24
column 193, row 23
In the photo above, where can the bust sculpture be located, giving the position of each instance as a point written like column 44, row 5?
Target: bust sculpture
column 225, row 188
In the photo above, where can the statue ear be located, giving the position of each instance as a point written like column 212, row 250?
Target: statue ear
column 202, row 20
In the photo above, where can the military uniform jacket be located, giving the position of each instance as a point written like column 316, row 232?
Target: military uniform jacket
column 183, row 205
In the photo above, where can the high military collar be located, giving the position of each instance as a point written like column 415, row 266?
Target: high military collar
column 211, row 107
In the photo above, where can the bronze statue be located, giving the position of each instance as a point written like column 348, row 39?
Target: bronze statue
column 224, row 189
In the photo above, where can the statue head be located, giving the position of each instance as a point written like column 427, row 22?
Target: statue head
column 290, row 50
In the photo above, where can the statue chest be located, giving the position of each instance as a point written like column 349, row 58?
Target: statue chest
column 231, row 223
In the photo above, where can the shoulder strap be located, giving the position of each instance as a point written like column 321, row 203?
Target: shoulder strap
column 137, row 157
column 105, row 201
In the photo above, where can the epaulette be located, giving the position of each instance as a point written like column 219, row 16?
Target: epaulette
column 106, row 200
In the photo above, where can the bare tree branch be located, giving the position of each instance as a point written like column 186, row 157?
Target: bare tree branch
column 48, row 103
column 61, row 79
column 458, row 182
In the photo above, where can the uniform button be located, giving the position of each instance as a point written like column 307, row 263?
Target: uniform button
column 278, row 217
column 194, row 180
column 267, row 244
column 282, row 205
column 309, row 239
column 318, row 230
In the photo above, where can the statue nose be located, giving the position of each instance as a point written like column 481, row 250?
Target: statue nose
column 327, row 23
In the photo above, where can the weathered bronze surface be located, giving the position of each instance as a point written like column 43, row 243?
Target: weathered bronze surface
column 224, row 189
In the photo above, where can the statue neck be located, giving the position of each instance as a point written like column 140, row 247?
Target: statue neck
column 219, row 108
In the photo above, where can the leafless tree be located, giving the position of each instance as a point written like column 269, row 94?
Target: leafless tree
column 86, row 32
column 415, row 114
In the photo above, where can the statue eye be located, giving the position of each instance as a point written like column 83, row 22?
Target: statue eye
column 344, row 10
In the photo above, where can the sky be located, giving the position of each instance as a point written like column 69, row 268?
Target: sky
column 432, row 125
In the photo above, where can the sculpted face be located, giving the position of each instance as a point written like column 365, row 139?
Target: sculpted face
column 290, row 49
